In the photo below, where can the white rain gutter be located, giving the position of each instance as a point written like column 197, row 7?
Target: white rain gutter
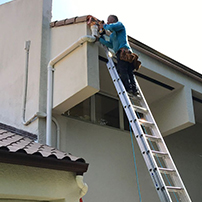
column 72, row 47
column 83, row 186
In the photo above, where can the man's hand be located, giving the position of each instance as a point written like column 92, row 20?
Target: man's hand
column 97, row 38
column 101, row 26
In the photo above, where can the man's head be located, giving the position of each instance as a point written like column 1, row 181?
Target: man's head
column 112, row 19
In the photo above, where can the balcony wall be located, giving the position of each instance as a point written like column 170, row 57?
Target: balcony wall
column 76, row 77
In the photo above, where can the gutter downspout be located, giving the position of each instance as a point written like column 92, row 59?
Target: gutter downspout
column 83, row 186
column 57, row 132
column 72, row 47
column 37, row 114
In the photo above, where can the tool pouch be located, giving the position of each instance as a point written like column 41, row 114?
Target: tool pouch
column 128, row 56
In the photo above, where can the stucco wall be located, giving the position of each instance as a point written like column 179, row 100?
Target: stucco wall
column 37, row 184
column 23, row 20
column 174, row 110
column 185, row 147
column 76, row 76
column 111, row 175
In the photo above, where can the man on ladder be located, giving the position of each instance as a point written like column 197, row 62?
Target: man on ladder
column 126, row 60
column 161, row 167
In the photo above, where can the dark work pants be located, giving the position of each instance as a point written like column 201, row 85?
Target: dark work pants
column 125, row 70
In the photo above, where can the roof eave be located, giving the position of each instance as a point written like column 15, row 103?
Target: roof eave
column 164, row 59
column 21, row 158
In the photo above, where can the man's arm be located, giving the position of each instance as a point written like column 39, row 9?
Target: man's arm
column 114, row 26
column 106, row 43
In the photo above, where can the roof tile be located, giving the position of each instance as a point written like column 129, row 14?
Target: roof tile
column 21, row 150
column 59, row 23
column 52, row 24
column 11, row 140
column 73, row 20
column 9, row 130
column 70, row 21
column 81, row 19
column 14, row 143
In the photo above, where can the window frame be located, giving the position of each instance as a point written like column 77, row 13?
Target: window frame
column 93, row 111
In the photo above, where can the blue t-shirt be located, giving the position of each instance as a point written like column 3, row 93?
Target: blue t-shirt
column 118, row 38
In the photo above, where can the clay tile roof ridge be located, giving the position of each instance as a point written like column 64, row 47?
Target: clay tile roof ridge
column 73, row 20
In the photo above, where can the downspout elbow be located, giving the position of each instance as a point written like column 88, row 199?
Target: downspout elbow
column 83, row 186
column 76, row 44
column 33, row 118
column 90, row 38
column 87, row 38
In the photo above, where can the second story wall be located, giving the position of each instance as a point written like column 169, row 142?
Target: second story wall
column 169, row 88
column 76, row 76
column 21, row 21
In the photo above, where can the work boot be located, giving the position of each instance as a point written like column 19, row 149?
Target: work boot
column 136, row 93
column 129, row 89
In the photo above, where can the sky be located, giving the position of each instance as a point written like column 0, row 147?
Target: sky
column 172, row 27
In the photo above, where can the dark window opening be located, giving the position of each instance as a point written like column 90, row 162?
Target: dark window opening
column 102, row 110
column 106, row 111
column 81, row 111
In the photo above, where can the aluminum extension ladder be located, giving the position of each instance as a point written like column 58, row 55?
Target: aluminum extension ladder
column 161, row 167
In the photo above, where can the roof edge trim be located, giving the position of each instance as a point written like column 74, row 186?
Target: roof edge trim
column 164, row 59
column 38, row 161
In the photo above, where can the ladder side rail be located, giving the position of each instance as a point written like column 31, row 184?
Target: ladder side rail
column 149, row 114
column 146, row 152
column 125, row 102
column 176, row 178
column 142, row 142
column 162, row 147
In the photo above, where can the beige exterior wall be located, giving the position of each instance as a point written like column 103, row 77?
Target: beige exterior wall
column 111, row 175
column 172, row 110
column 76, row 76
column 175, row 112
column 185, row 147
column 23, row 20
column 37, row 184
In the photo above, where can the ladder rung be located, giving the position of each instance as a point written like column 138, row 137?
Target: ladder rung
column 139, row 109
column 174, row 189
column 152, row 138
column 162, row 154
column 167, row 170
column 145, row 123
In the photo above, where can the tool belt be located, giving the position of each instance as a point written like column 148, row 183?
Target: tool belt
column 128, row 56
